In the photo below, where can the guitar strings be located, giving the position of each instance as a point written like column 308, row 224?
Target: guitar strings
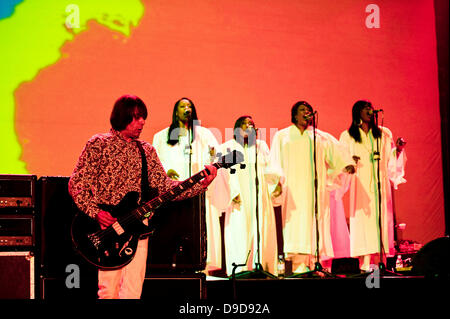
column 136, row 213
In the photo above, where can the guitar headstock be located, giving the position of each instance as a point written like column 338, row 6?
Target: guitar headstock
column 230, row 159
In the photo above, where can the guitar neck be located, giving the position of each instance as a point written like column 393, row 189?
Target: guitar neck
column 173, row 192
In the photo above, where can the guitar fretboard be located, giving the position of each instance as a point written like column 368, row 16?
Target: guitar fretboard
column 172, row 193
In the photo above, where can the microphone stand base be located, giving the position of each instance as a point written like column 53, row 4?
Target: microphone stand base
column 383, row 271
column 257, row 273
column 318, row 269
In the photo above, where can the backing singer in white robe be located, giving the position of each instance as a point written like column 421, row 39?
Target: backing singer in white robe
column 237, row 198
column 361, row 140
column 184, row 148
column 292, row 154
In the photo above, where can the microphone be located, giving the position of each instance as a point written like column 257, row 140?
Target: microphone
column 251, row 125
column 375, row 111
column 309, row 116
column 187, row 113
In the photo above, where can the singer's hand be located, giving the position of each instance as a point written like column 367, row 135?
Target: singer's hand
column 400, row 145
column 173, row 174
column 105, row 219
column 350, row 169
column 212, row 173
column 212, row 151
column 277, row 191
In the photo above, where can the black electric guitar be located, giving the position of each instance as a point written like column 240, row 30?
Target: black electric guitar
column 115, row 246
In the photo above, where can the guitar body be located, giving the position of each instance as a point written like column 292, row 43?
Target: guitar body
column 115, row 246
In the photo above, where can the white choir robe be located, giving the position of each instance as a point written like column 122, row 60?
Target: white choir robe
column 292, row 153
column 363, row 206
column 240, row 219
column 339, row 231
column 176, row 157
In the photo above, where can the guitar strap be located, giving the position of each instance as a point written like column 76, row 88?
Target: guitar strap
column 145, row 189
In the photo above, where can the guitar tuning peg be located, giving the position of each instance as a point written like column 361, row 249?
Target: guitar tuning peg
column 232, row 170
column 242, row 166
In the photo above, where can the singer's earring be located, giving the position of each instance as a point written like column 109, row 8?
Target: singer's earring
column 359, row 122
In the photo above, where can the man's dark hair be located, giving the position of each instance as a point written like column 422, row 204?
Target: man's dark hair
column 127, row 108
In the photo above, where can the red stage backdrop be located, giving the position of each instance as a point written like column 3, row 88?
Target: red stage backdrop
column 254, row 57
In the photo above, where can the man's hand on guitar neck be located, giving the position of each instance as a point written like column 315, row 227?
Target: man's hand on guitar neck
column 105, row 219
column 212, row 173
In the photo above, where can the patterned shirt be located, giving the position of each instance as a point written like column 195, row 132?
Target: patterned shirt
column 109, row 167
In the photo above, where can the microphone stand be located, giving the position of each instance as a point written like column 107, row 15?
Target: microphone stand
column 233, row 274
column 258, row 272
column 377, row 157
column 190, row 147
column 317, row 266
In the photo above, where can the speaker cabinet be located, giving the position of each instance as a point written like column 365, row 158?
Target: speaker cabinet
column 433, row 259
column 58, row 289
column 57, row 252
column 179, row 241
column 17, row 274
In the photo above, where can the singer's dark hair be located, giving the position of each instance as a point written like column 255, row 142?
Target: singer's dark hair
column 295, row 109
column 172, row 135
column 126, row 108
column 356, row 121
column 237, row 131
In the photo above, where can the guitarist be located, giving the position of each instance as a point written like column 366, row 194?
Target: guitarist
column 109, row 167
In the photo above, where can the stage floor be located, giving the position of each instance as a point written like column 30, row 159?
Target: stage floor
column 290, row 288
column 198, row 286
column 192, row 295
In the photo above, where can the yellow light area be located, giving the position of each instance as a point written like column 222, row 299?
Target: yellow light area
column 31, row 40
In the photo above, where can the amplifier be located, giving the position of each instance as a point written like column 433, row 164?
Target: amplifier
column 17, row 191
column 16, row 230
column 16, row 241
